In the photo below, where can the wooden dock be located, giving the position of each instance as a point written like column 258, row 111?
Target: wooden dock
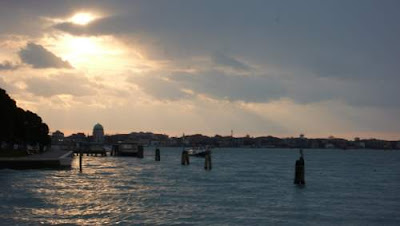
column 88, row 152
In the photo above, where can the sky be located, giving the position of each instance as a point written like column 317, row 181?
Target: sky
column 281, row 68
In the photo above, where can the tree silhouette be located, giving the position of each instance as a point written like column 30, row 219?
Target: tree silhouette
column 20, row 126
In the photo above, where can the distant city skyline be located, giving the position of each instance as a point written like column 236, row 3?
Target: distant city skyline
column 280, row 68
column 198, row 140
column 349, row 137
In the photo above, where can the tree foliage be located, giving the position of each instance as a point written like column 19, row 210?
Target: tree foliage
column 20, row 126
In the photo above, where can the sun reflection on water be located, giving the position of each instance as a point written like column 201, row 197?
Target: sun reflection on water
column 100, row 195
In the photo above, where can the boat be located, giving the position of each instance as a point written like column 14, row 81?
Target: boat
column 66, row 159
column 198, row 152
column 128, row 149
column 96, row 149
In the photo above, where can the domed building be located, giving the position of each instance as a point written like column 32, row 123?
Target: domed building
column 98, row 134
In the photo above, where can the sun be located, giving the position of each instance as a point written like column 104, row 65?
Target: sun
column 82, row 18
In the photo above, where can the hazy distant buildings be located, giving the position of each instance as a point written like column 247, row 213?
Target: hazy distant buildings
column 78, row 138
column 151, row 139
column 98, row 134
column 329, row 146
column 57, row 137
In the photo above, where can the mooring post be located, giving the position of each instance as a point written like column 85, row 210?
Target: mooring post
column 158, row 157
column 299, row 174
column 114, row 150
column 80, row 160
column 210, row 162
column 185, row 158
column 140, row 152
column 207, row 161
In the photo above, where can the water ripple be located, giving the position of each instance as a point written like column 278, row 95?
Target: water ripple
column 245, row 187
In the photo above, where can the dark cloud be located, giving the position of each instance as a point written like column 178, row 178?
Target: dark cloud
column 29, row 18
column 230, row 62
column 318, row 38
column 355, row 92
column 102, row 26
column 70, row 84
column 75, row 29
column 39, row 57
column 214, row 84
column 7, row 65
column 263, row 89
column 252, row 88
column 160, row 87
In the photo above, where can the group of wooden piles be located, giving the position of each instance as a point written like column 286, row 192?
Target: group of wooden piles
column 207, row 159
column 185, row 160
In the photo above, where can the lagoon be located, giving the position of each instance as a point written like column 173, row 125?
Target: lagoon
column 245, row 187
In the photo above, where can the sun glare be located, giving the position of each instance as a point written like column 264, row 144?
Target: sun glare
column 98, row 54
column 82, row 18
column 89, row 52
column 83, row 45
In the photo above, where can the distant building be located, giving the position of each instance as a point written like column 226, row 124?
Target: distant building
column 78, row 138
column 57, row 137
column 329, row 146
column 98, row 134
column 315, row 144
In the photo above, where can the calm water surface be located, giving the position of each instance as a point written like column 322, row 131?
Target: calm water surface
column 245, row 187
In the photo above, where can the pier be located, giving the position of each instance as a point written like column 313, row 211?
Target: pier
column 91, row 152
column 53, row 159
column 89, row 149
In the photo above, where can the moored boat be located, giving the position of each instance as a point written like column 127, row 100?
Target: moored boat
column 128, row 149
column 198, row 152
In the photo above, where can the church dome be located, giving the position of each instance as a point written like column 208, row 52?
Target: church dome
column 98, row 127
column 98, row 134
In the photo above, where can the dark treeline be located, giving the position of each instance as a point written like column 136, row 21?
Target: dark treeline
column 18, row 126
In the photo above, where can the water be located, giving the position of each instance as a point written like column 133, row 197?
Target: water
column 245, row 187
